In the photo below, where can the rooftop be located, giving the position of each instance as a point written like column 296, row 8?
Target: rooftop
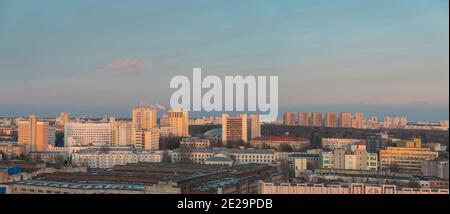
column 304, row 155
column 279, row 138
column 83, row 185
column 219, row 159
column 226, row 150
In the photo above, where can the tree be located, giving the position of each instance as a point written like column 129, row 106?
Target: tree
column 169, row 142
column 235, row 144
column 285, row 170
column 394, row 167
column 285, row 148
column 316, row 140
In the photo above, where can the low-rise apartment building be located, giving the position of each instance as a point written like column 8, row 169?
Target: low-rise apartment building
column 109, row 157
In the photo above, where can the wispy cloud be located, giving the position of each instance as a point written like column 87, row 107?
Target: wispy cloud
column 127, row 65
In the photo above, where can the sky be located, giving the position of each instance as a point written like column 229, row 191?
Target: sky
column 106, row 56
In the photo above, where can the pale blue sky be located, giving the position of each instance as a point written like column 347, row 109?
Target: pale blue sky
column 387, row 53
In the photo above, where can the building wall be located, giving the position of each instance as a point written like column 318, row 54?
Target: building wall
column 121, row 133
column 30, row 189
column 437, row 168
column 289, row 118
column 42, row 136
column 194, row 143
column 303, row 118
column 12, row 149
column 286, row 188
column 110, row 159
column 345, row 119
column 144, row 118
column 151, row 139
column 34, row 134
column 405, row 159
column 316, row 119
column 199, row 156
column 179, row 118
column 300, row 166
column 97, row 134
column 330, row 119
column 253, row 126
column 358, row 120
column 234, row 128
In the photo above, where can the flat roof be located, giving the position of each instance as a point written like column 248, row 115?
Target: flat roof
column 233, row 150
column 304, row 155
column 279, row 138
column 83, row 185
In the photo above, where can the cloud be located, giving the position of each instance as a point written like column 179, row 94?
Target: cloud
column 129, row 65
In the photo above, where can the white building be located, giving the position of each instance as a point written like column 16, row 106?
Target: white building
column 358, row 159
column 334, row 143
column 121, row 133
column 96, row 134
column 70, row 149
column 240, row 156
column 300, row 166
column 219, row 159
column 327, row 160
column 372, row 161
column 107, row 158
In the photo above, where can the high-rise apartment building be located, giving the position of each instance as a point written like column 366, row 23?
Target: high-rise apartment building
column 145, row 139
column 345, row 119
column 179, row 118
column 144, row 118
column 289, row 118
column 394, row 122
column 253, row 126
column 303, row 119
column 151, row 139
column 234, row 128
column 34, row 134
column 372, row 123
column 316, row 119
column 330, row 119
column 358, row 120
column 121, row 133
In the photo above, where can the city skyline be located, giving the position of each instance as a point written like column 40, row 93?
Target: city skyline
column 378, row 57
column 419, row 113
